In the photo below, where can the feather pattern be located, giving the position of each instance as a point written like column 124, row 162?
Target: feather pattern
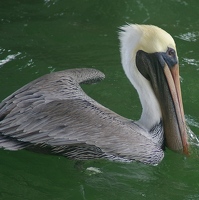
column 54, row 112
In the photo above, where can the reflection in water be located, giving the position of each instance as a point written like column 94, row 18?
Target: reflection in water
column 190, row 36
column 8, row 58
column 191, row 121
column 50, row 2
column 192, row 138
column 93, row 170
column 30, row 63
column 144, row 9
column 191, row 61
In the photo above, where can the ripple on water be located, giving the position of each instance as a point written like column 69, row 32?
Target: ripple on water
column 192, row 137
column 189, row 36
column 8, row 57
column 191, row 61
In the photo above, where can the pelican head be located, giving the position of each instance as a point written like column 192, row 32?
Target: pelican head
column 150, row 62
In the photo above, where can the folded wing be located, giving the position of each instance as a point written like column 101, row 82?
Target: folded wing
column 54, row 112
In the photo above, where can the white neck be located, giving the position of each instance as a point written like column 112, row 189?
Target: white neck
column 151, row 112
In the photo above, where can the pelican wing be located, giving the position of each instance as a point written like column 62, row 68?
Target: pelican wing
column 53, row 111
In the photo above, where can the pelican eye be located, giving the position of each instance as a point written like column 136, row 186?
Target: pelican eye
column 170, row 57
column 171, row 52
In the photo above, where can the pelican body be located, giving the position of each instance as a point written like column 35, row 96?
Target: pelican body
column 53, row 112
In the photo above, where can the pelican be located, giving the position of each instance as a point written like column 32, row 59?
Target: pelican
column 53, row 113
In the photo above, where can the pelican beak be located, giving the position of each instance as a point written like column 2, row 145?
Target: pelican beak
column 173, row 81
column 162, row 70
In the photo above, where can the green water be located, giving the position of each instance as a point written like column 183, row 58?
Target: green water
column 37, row 37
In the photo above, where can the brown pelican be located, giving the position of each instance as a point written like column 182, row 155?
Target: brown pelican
column 53, row 112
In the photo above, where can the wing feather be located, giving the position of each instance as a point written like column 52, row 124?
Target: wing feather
column 54, row 111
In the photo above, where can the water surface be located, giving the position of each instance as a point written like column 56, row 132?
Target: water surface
column 39, row 37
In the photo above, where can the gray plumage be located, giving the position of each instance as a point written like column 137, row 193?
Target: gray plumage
column 53, row 112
